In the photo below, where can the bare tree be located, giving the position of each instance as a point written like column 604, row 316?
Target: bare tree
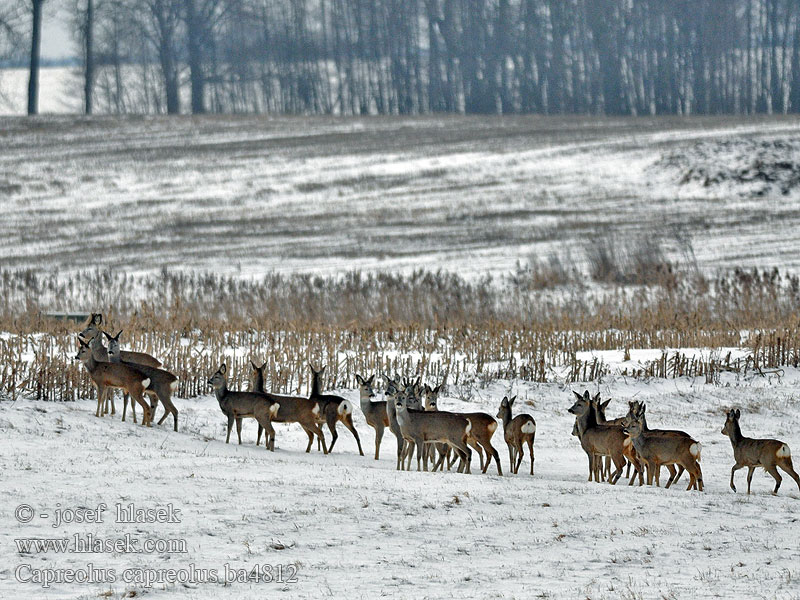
column 36, row 43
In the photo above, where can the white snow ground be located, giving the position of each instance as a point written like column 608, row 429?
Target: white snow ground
column 245, row 195
column 356, row 528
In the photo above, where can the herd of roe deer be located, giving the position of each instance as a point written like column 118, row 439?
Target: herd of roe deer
column 410, row 411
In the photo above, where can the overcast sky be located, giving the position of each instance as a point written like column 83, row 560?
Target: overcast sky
column 56, row 39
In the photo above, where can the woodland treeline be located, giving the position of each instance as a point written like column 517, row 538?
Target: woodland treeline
column 616, row 57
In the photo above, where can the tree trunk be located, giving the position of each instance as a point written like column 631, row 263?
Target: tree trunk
column 194, row 44
column 36, row 42
column 88, row 82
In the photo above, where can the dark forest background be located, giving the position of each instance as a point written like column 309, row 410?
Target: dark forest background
column 356, row 57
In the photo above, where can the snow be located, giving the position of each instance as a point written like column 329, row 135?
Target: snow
column 355, row 527
column 244, row 195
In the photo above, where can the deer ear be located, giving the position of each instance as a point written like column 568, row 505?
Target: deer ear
column 82, row 343
column 223, row 369
column 597, row 397
column 360, row 379
column 511, row 401
column 261, row 368
column 586, row 395
column 606, row 403
column 97, row 318
column 108, row 336
column 738, row 413
column 116, row 337
column 252, row 364
column 370, row 380
column 438, row 388
column 577, row 395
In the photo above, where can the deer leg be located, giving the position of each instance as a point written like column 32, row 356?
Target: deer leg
column 530, row 451
column 400, row 446
column 133, row 408
column 239, row 429
column 671, row 469
column 99, row 400
column 735, row 468
column 410, row 454
column 258, row 437
column 310, row 438
column 379, row 428
column 520, row 453
column 786, row 465
column 230, row 426
column 451, row 457
column 473, row 443
column 320, row 439
column 681, row 469
column 419, row 444
column 331, row 420
column 774, row 472
column 147, row 418
column 348, row 422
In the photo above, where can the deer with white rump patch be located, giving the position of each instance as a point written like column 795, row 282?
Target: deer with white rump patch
column 332, row 409
column 92, row 335
column 162, row 383
column 239, row 405
column 292, row 409
column 110, row 376
column 752, row 453
column 656, row 448
column 518, row 431
column 422, row 427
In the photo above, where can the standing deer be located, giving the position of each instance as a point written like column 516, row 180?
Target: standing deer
column 109, row 376
column 239, row 405
column 635, row 407
column 292, row 409
column 752, row 453
column 598, row 440
column 422, row 427
column 92, row 336
column 479, row 438
column 392, row 393
column 517, row 431
column 374, row 411
column 333, row 408
column 162, row 383
column 657, row 449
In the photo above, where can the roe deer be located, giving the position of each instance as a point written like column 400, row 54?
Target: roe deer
column 604, row 462
column 392, row 393
column 635, row 407
column 412, row 393
column 517, row 431
column 92, row 336
column 293, row 409
column 106, row 375
column 162, row 384
column 752, row 453
column 422, row 427
column 598, row 439
column 374, row 411
column 479, row 438
column 333, row 408
column 656, row 449
column 600, row 415
column 239, row 405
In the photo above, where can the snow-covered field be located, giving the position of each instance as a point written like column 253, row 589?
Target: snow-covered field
column 356, row 528
column 246, row 195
